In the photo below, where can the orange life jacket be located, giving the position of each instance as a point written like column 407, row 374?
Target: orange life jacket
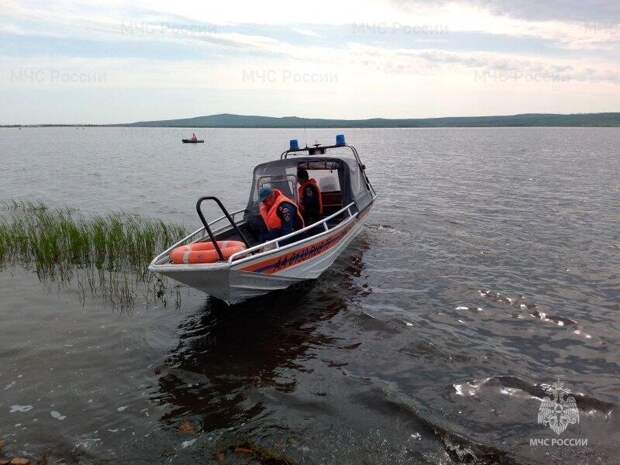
column 270, row 216
column 302, row 190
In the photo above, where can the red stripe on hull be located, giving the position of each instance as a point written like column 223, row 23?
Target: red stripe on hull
column 300, row 255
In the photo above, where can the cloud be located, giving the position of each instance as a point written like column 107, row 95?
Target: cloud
column 484, row 66
column 394, row 55
column 602, row 11
column 568, row 24
column 231, row 26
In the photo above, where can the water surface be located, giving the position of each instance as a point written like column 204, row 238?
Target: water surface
column 490, row 265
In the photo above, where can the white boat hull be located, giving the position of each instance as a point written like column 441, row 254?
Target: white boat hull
column 236, row 281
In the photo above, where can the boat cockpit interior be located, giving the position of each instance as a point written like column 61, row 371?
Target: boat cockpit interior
column 344, row 188
column 330, row 175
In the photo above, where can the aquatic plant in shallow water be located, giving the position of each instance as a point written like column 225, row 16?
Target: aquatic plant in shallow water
column 107, row 255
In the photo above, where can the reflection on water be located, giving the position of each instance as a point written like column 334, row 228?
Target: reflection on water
column 226, row 353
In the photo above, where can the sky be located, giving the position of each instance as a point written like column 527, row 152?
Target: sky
column 112, row 61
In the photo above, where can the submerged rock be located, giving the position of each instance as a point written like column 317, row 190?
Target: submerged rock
column 187, row 427
column 19, row 461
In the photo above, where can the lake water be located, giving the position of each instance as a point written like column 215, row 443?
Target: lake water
column 489, row 267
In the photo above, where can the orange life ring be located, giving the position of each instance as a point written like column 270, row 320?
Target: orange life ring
column 204, row 252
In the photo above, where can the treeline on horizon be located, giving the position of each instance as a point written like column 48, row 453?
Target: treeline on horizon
column 242, row 121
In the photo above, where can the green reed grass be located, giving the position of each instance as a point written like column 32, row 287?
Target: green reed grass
column 110, row 253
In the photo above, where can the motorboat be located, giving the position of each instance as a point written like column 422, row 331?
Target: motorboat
column 249, row 268
column 193, row 141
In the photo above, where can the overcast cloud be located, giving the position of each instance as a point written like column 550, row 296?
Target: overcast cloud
column 95, row 62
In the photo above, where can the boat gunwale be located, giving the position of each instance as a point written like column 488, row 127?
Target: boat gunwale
column 294, row 233
column 229, row 264
column 292, row 245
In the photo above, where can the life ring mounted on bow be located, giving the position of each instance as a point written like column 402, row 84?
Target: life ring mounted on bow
column 204, row 252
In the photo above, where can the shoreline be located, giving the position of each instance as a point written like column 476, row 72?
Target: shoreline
column 234, row 121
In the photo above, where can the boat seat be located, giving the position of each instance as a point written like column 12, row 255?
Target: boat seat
column 332, row 202
column 252, row 228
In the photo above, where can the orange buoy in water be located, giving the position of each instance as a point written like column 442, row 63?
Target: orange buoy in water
column 204, row 252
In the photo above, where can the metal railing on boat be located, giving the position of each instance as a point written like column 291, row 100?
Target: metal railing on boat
column 275, row 244
column 227, row 215
column 259, row 250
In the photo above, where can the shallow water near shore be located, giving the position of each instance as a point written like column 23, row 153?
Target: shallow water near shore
column 489, row 269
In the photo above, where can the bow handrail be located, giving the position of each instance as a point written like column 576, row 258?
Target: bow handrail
column 195, row 236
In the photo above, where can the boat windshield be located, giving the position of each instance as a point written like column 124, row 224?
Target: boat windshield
column 284, row 183
column 340, row 182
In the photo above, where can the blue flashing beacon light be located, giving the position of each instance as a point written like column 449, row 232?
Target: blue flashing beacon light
column 340, row 140
column 293, row 144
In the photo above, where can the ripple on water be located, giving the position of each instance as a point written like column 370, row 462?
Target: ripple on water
column 20, row 408
column 386, row 358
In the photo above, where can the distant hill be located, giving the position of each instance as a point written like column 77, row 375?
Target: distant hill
column 250, row 121
column 532, row 119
